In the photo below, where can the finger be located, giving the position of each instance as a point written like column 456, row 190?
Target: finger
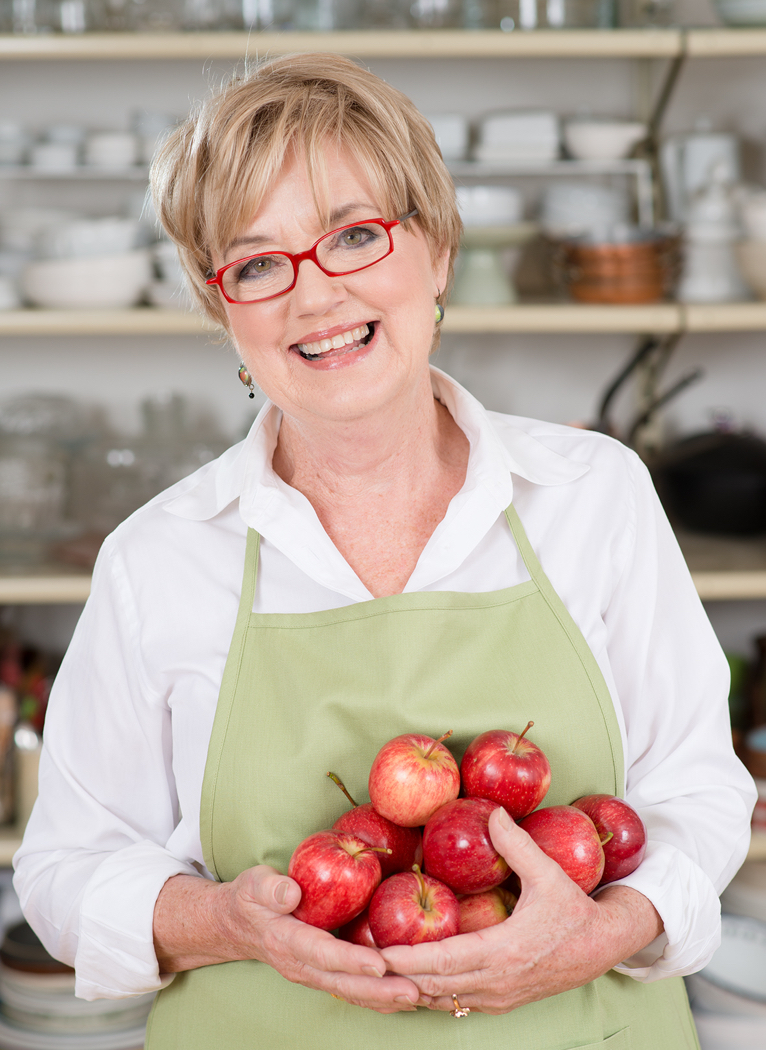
column 387, row 993
column 269, row 888
column 322, row 951
column 521, row 852
column 455, row 955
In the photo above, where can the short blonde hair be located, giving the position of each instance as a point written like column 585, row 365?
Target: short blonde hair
column 211, row 175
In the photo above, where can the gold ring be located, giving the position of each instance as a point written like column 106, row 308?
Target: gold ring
column 459, row 1011
column 340, row 997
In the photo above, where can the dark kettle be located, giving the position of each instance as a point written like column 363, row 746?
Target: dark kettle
column 714, row 482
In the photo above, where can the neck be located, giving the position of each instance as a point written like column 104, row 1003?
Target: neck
column 331, row 461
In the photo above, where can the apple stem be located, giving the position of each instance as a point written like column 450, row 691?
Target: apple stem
column 521, row 734
column 373, row 849
column 336, row 780
column 421, row 884
column 436, row 743
column 606, row 838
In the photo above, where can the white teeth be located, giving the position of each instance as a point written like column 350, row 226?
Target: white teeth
column 336, row 343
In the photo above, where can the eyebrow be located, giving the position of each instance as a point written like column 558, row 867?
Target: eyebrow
column 335, row 217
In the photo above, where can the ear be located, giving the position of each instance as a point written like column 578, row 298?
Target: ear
column 441, row 267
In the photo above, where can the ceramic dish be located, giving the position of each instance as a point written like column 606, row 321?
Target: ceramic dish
column 722, row 1032
column 739, row 964
column 602, row 139
column 751, row 259
column 741, row 12
column 13, row 1038
column 101, row 282
column 706, row 996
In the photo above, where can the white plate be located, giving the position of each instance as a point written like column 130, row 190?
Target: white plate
column 12, row 1038
column 739, row 965
column 718, row 1032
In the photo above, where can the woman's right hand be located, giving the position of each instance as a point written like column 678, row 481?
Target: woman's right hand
column 198, row 923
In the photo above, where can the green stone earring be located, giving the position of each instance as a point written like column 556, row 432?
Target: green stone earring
column 439, row 313
column 246, row 379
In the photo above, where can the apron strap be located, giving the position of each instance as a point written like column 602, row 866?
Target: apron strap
column 226, row 700
column 249, row 576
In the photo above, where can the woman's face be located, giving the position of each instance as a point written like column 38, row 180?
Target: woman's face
column 394, row 299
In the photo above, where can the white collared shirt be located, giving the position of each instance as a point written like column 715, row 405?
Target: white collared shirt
column 132, row 708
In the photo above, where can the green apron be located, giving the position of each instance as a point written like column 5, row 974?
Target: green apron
column 307, row 692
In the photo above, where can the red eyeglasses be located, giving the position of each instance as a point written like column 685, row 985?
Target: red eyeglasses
column 338, row 253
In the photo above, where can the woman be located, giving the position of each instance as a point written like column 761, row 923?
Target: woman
column 392, row 535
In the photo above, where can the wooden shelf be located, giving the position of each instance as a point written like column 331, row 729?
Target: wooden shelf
column 444, row 43
column 725, row 569
column 723, row 43
column 138, row 321
column 566, row 318
column 722, row 569
column 10, row 840
column 554, row 318
column 757, row 849
column 724, row 317
column 50, row 586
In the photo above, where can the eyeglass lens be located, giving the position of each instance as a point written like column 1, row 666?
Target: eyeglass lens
column 341, row 251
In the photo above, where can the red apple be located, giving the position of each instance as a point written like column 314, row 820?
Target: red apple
column 358, row 930
column 508, row 769
column 411, row 777
column 457, row 848
column 337, row 874
column 570, row 838
column 410, row 908
column 622, row 833
column 405, row 844
column 478, row 911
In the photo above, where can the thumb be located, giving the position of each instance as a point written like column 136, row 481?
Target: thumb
column 269, row 888
column 522, row 853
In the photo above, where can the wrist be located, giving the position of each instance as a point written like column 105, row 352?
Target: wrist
column 630, row 921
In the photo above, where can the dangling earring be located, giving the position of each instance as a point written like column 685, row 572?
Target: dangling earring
column 246, row 379
column 439, row 313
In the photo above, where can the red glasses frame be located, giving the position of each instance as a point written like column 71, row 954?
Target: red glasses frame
column 296, row 260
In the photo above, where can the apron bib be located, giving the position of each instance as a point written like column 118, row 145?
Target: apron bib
column 309, row 692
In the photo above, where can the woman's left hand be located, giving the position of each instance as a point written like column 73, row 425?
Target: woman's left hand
column 557, row 937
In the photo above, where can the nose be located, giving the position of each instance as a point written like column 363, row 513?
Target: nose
column 315, row 292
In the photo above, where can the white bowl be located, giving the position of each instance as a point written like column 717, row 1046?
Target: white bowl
column 451, row 131
column 107, row 282
column 724, row 1032
column 489, row 205
column 111, row 149
column 602, row 139
column 751, row 259
column 742, row 12
column 739, row 964
column 88, row 237
column 708, row 997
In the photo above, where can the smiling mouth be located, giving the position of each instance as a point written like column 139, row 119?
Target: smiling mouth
column 344, row 342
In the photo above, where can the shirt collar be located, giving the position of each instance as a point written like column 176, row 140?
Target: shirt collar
column 498, row 450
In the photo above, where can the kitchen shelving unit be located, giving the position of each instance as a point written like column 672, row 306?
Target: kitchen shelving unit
column 722, row 570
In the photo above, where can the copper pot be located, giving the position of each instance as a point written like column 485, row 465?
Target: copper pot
column 641, row 268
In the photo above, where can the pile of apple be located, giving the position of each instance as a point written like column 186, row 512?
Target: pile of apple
column 364, row 876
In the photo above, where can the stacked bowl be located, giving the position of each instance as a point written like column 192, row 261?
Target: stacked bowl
column 729, row 995
column 39, row 1011
column 751, row 252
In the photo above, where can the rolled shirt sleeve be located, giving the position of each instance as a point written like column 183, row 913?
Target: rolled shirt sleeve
column 682, row 775
column 94, row 859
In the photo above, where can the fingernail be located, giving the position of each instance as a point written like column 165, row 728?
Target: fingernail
column 424, row 1000
column 371, row 971
column 503, row 820
column 403, row 999
column 281, row 892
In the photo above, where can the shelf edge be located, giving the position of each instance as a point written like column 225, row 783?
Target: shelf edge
column 44, row 590
column 413, row 43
